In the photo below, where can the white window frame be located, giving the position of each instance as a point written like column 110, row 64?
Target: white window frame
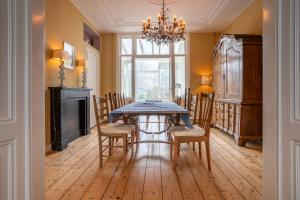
column 134, row 36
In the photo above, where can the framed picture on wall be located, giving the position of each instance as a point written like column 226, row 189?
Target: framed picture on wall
column 70, row 63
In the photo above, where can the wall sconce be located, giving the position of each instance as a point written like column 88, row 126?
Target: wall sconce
column 83, row 63
column 61, row 55
column 206, row 80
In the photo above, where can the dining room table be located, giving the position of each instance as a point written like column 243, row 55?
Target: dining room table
column 172, row 111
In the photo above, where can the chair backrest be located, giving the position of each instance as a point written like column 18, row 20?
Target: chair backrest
column 205, row 111
column 188, row 97
column 111, row 101
column 178, row 100
column 101, row 111
column 123, row 99
column 195, row 108
column 119, row 102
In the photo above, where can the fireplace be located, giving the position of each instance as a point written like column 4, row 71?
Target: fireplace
column 70, row 115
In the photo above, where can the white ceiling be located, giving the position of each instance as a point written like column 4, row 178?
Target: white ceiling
column 127, row 15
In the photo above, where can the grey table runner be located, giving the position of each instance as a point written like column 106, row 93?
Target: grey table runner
column 152, row 108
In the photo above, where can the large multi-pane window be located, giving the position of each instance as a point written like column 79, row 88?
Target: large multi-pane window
column 151, row 71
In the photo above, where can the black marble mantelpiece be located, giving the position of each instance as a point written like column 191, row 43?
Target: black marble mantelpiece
column 70, row 115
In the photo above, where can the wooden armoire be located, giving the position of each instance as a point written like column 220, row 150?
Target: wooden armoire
column 237, row 83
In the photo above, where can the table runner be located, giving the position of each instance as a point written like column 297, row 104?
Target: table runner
column 152, row 108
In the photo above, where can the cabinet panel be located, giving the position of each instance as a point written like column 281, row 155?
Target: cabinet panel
column 233, row 74
column 218, row 76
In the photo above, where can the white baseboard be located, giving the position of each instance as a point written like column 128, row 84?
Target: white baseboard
column 48, row 148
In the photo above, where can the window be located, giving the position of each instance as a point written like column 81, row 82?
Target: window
column 151, row 71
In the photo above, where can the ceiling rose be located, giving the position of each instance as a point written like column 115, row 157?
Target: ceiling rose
column 165, row 31
column 160, row 2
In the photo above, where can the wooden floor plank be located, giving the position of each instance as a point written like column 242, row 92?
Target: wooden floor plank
column 201, row 175
column 245, row 189
column 224, row 185
column 188, row 185
column 135, row 184
column 99, row 185
column 57, row 171
column 152, row 186
column 74, row 173
column 170, row 183
column 248, row 174
column 60, row 187
column 119, row 181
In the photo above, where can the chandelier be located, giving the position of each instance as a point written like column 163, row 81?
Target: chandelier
column 164, row 31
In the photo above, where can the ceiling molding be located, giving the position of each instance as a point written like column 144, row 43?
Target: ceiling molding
column 91, row 21
column 240, row 10
column 105, row 18
column 214, row 13
column 217, row 10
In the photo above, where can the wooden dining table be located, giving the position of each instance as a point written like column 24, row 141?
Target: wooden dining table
column 170, row 110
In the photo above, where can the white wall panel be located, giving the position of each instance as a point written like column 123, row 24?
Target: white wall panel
column 297, row 60
column 295, row 170
column 6, row 78
column 6, row 170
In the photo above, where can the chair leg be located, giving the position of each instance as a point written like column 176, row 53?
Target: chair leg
column 124, row 148
column 208, row 155
column 200, row 150
column 110, row 146
column 176, row 153
column 171, row 148
column 100, row 151
column 132, row 141
column 137, row 134
column 193, row 146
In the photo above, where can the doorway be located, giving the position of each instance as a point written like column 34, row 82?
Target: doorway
column 93, row 78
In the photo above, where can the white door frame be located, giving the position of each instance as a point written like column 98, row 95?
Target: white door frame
column 281, row 148
column 270, row 100
column 36, row 122
column 24, row 29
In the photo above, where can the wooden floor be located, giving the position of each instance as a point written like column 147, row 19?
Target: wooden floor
column 75, row 173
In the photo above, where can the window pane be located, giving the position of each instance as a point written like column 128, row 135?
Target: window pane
column 179, row 75
column 126, row 67
column 126, row 46
column 155, row 49
column 164, row 49
column 180, row 47
column 152, row 78
column 164, row 81
column 144, row 47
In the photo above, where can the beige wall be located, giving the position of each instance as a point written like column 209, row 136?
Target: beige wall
column 201, row 48
column 248, row 22
column 64, row 22
column 108, row 62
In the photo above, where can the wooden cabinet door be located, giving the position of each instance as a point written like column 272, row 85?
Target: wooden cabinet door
column 233, row 73
column 218, row 77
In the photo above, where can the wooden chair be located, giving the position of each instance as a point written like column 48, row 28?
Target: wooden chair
column 199, row 133
column 188, row 98
column 111, row 101
column 119, row 100
column 123, row 99
column 110, row 131
column 178, row 100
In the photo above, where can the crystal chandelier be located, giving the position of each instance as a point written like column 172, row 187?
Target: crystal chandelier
column 165, row 31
